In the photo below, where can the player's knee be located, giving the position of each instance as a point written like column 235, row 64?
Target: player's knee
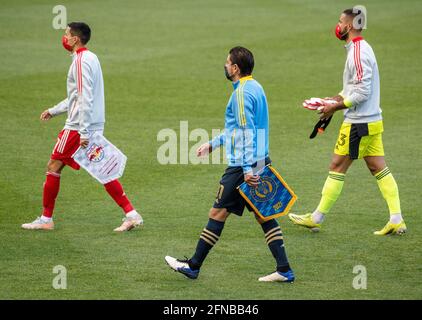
column 55, row 166
column 335, row 166
column 375, row 167
column 219, row 214
column 338, row 165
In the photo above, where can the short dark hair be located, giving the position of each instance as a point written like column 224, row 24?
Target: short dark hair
column 80, row 29
column 244, row 60
column 352, row 12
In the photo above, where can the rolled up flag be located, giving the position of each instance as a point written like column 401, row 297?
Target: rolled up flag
column 316, row 103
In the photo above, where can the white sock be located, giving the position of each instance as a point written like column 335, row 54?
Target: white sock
column 317, row 217
column 396, row 218
column 133, row 214
column 46, row 219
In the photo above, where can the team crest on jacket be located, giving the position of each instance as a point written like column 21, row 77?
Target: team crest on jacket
column 265, row 191
column 95, row 153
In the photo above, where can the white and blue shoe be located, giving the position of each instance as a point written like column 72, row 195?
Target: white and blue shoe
column 279, row 277
column 182, row 266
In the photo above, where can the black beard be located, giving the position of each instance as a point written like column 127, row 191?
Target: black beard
column 344, row 35
column 228, row 76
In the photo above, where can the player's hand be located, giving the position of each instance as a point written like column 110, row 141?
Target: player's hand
column 45, row 115
column 203, row 150
column 327, row 110
column 251, row 180
column 84, row 143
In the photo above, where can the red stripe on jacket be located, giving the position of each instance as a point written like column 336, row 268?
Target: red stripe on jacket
column 358, row 64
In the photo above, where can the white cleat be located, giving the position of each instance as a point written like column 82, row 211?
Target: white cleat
column 175, row 264
column 278, row 277
column 182, row 266
column 129, row 223
column 39, row 224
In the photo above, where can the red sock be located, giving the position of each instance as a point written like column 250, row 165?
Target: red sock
column 115, row 190
column 51, row 189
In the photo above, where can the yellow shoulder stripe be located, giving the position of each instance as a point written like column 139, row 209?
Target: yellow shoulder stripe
column 241, row 104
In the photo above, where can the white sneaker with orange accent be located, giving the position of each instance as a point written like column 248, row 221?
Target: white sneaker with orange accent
column 39, row 224
column 130, row 222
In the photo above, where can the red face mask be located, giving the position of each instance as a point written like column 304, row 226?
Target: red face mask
column 339, row 35
column 66, row 45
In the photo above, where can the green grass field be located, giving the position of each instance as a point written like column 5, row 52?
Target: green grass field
column 163, row 63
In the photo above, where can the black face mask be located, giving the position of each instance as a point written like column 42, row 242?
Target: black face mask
column 228, row 76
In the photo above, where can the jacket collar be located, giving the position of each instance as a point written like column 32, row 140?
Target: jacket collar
column 358, row 38
column 354, row 40
column 241, row 80
column 79, row 51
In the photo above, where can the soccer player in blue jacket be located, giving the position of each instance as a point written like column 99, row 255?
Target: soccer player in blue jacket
column 246, row 138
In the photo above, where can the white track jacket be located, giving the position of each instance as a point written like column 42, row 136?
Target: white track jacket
column 361, row 83
column 85, row 95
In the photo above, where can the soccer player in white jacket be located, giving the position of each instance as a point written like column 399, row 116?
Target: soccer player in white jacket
column 361, row 132
column 84, row 106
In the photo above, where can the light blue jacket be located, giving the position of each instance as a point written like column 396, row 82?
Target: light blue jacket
column 246, row 130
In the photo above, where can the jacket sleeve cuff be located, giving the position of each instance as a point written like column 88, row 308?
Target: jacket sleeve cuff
column 51, row 111
column 84, row 135
column 347, row 102
column 247, row 170
column 214, row 144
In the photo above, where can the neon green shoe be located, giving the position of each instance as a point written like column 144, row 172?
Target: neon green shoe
column 305, row 220
column 392, row 228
